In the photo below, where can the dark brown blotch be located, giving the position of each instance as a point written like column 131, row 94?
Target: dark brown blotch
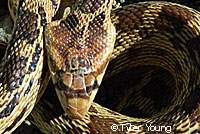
column 9, row 108
column 29, row 86
column 175, row 16
column 27, row 27
column 13, row 74
column 70, row 22
column 90, row 6
column 35, row 58
column 43, row 15
column 98, row 21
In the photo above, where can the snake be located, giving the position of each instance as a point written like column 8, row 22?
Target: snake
column 162, row 36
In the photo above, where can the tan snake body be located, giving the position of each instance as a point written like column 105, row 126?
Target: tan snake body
column 22, row 64
column 159, row 34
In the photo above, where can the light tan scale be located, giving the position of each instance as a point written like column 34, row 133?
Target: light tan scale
column 156, row 34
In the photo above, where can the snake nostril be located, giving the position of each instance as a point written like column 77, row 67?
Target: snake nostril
column 82, row 61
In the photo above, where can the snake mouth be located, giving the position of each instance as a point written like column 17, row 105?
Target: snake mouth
column 76, row 87
column 77, row 93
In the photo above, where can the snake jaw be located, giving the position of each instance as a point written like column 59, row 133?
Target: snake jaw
column 76, row 88
column 78, row 107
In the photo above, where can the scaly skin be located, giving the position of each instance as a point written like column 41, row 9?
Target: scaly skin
column 22, row 64
column 148, row 34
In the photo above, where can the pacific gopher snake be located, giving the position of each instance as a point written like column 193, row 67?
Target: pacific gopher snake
column 172, row 65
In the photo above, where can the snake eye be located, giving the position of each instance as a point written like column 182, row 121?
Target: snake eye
column 67, row 64
column 74, row 62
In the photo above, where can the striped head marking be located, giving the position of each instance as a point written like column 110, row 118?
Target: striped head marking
column 79, row 48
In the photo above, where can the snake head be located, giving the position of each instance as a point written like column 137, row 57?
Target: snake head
column 79, row 49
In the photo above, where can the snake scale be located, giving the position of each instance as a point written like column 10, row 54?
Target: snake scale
column 162, row 35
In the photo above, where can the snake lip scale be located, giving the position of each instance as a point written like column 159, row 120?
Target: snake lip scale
column 161, row 36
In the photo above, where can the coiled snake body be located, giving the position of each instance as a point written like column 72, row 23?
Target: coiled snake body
column 79, row 47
